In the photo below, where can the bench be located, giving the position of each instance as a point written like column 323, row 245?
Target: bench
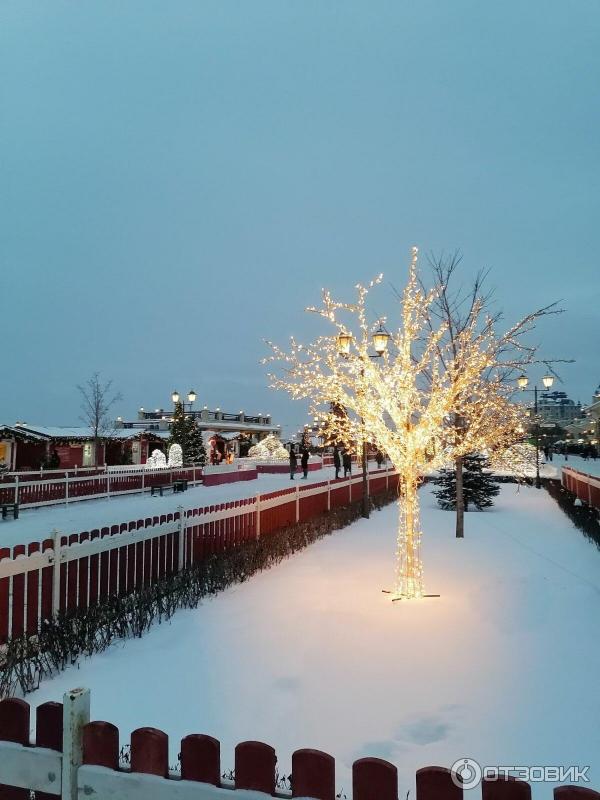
column 177, row 486
column 12, row 507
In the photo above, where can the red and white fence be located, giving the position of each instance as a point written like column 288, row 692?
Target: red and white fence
column 586, row 487
column 77, row 570
column 71, row 488
column 73, row 757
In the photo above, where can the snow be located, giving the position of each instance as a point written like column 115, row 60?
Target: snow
column 503, row 667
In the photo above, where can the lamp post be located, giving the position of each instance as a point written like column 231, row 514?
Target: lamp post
column 381, row 339
column 175, row 397
column 522, row 382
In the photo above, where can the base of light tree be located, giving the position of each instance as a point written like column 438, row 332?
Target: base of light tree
column 396, row 597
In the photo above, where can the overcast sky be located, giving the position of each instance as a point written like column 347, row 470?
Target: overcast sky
column 178, row 180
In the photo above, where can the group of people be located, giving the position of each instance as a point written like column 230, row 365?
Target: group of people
column 342, row 458
column 304, row 455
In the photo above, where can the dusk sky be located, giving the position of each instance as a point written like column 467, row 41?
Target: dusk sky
column 178, row 181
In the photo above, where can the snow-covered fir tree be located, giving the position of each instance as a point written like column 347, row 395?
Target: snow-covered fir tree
column 196, row 452
column 479, row 486
column 188, row 436
column 179, row 429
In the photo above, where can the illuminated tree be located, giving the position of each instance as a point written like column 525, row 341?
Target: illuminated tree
column 468, row 318
column 405, row 402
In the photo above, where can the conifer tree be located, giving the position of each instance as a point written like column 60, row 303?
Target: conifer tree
column 195, row 452
column 180, row 431
column 479, row 487
column 188, row 436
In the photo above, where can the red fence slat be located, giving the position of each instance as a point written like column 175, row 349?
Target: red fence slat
column 101, row 744
column 374, row 779
column 150, row 752
column 255, row 767
column 313, row 774
column 201, row 759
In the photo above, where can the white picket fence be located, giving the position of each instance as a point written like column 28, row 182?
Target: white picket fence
column 73, row 488
column 216, row 527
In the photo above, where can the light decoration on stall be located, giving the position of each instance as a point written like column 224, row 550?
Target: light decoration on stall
column 175, row 456
column 423, row 401
column 268, row 449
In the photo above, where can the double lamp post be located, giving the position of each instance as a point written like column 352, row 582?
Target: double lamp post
column 522, row 382
column 380, row 343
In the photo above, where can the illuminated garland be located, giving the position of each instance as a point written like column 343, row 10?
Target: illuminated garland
column 425, row 402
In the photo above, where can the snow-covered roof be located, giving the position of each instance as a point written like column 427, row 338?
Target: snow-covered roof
column 82, row 432
column 18, row 430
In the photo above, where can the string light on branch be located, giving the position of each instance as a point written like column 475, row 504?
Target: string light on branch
column 423, row 401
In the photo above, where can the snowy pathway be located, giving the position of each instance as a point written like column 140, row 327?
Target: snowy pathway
column 502, row 668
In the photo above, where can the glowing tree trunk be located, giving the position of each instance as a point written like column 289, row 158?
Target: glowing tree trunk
column 409, row 570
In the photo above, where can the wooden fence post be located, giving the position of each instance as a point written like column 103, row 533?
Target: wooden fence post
column 297, row 503
column 150, row 752
column 101, row 745
column 575, row 793
column 329, row 495
column 181, row 538
column 505, row 788
column 255, row 767
column 48, row 733
column 67, row 489
column 14, row 727
column 56, row 536
column 201, row 759
column 16, row 488
column 313, row 775
column 257, row 512
column 374, row 779
column 76, row 714
column 436, row 783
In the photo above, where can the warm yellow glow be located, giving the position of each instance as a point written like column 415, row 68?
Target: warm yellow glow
column 548, row 380
column 522, row 381
column 426, row 401
column 191, row 396
column 175, row 397
column 344, row 340
column 380, row 340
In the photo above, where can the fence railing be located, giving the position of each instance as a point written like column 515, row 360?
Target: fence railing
column 585, row 486
column 71, row 488
column 67, row 571
column 73, row 757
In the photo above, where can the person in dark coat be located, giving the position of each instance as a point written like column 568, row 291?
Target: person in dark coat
column 347, row 462
column 293, row 462
column 337, row 462
column 304, row 462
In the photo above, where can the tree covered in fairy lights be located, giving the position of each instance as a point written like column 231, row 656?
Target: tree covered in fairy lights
column 406, row 402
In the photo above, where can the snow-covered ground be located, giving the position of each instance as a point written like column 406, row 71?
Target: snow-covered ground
column 35, row 524
column 503, row 667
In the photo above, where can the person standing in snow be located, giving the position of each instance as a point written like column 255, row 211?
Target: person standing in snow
column 337, row 463
column 304, row 463
column 293, row 462
column 347, row 462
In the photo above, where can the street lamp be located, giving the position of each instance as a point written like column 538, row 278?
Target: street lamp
column 381, row 339
column 522, row 382
column 176, row 397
